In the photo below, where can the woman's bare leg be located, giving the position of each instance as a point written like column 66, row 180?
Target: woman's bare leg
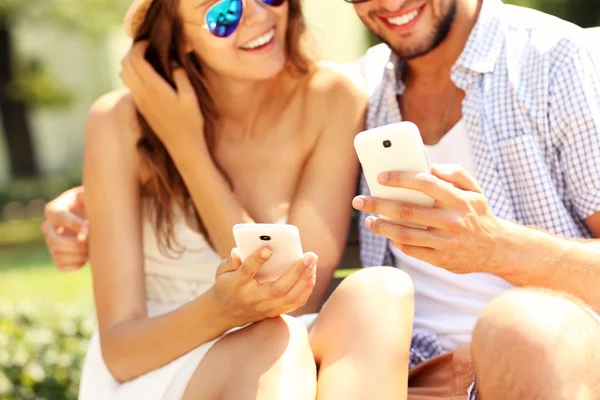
column 361, row 339
column 269, row 360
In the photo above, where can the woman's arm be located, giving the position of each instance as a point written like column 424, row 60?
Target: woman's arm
column 322, row 206
column 213, row 199
column 175, row 117
column 132, row 343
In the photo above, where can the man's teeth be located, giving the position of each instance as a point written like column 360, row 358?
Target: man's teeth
column 403, row 19
column 260, row 41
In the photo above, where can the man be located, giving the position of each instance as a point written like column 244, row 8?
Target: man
column 523, row 95
column 513, row 96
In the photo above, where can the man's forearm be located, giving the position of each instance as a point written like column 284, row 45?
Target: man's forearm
column 532, row 257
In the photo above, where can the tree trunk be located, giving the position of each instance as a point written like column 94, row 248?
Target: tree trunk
column 14, row 114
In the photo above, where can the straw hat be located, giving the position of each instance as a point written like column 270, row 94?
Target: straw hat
column 135, row 16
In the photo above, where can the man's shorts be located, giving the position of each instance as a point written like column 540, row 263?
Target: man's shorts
column 448, row 376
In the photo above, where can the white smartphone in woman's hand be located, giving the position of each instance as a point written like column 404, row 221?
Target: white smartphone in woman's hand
column 395, row 147
column 282, row 239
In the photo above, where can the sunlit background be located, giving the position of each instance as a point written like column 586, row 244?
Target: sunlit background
column 56, row 58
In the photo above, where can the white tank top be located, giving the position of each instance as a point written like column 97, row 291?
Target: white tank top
column 446, row 303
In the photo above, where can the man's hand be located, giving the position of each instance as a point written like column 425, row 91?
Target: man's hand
column 66, row 229
column 462, row 235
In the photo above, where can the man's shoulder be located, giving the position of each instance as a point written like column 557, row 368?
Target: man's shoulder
column 373, row 65
column 378, row 52
column 532, row 35
column 375, row 59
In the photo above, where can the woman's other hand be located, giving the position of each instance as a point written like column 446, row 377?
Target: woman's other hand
column 247, row 300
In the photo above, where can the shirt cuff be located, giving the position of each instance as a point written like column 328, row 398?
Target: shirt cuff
column 588, row 204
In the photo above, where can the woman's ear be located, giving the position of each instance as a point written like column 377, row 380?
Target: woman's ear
column 187, row 47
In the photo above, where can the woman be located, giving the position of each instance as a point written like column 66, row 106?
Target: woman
column 239, row 127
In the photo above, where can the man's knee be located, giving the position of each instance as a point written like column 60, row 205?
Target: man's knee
column 527, row 338
column 540, row 318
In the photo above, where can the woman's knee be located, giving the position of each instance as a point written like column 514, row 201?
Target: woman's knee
column 267, row 355
column 378, row 284
column 283, row 334
column 368, row 317
column 298, row 344
column 285, row 350
column 374, row 304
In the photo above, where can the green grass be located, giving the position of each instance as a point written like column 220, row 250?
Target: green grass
column 19, row 232
column 27, row 273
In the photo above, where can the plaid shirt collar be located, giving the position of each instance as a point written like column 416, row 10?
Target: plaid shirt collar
column 477, row 58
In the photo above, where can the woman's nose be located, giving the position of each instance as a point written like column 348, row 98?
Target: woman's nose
column 255, row 13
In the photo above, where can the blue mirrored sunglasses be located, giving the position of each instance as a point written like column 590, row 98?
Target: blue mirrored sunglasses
column 223, row 18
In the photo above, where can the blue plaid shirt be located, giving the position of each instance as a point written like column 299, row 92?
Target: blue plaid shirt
column 532, row 111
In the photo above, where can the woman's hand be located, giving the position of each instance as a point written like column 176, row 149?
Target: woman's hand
column 173, row 114
column 247, row 301
column 65, row 230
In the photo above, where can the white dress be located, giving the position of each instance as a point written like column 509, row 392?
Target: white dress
column 170, row 282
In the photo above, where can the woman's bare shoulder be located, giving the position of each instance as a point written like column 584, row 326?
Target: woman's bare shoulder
column 333, row 79
column 114, row 116
column 352, row 71
column 112, row 131
column 333, row 94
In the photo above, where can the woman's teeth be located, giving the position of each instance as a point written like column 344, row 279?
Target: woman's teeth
column 259, row 41
column 403, row 19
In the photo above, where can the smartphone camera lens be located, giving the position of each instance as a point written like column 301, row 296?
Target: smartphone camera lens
column 387, row 144
column 265, row 238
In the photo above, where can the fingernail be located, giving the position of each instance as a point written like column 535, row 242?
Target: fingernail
column 443, row 168
column 358, row 202
column 265, row 253
column 235, row 257
column 309, row 260
column 84, row 232
column 369, row 222
column 383, row 177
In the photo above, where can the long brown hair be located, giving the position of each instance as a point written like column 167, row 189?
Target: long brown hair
column 163, row 28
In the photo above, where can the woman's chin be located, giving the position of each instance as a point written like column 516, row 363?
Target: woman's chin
column 268, row 69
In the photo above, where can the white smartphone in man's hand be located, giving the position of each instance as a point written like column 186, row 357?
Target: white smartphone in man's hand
column 282, row 239
column 395, row 147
